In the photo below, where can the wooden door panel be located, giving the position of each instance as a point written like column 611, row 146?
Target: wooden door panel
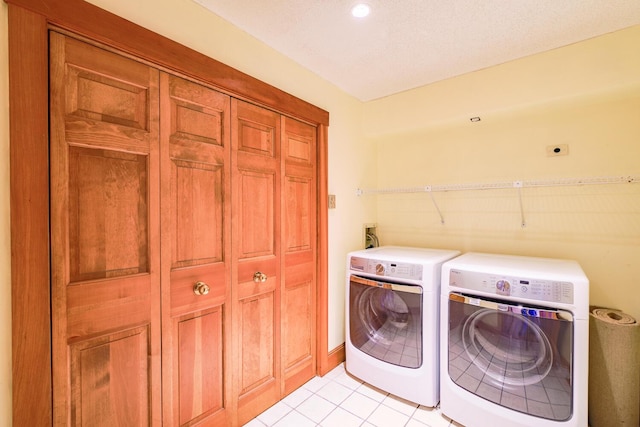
column 256, row 231
column 196, row 204
column 108, row 214
column 106, row 73
column 299, row 143
column 299, row 245
column 298, row 330
column 104, row 237
column 107, row 100
column 200, row 371
column 195, row 124
column 297, row 324
column 259, row 378
column 298, row 217
column 256, row 130
column 195, row 150
column 257, row 333
column 257, row 218
column 299, row 184
column 110, row 380
column 103, row 99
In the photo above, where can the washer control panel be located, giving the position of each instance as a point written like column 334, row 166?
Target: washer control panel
column 398, row 270
column 513, row 286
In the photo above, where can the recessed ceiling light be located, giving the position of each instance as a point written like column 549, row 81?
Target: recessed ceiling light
column 360, row 10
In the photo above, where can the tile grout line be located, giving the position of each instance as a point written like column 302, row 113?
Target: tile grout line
column 315, row 389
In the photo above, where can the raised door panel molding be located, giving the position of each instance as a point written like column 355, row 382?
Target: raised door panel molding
column 110, row 382
column 197, row 213
column 257, row 214
column 96, row 97
column 258, row 342
column 108, row 214
column 257, row 130
column 201, row 366
column 299, row 217
column 299, row 142
column 108, row 99
column 297, row 324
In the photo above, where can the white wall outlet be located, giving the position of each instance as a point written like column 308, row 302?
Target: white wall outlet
column 557, row 150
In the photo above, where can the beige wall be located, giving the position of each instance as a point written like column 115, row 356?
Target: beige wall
column 586, row 96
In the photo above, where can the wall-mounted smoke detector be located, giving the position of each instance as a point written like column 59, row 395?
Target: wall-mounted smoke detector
column 360, row 10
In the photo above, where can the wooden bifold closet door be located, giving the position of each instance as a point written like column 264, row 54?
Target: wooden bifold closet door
column 195, row 248
column 274, row 255
column 105, row 237
column 183, row 245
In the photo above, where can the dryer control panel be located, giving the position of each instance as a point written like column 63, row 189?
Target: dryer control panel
column 391, row 269
column 512, row 286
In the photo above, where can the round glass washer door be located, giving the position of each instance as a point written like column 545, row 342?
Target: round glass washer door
column 385, row 320
column 510, row 348
column 383, row 314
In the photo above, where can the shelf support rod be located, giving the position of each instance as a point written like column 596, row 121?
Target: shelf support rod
column 518, row 186
column 433, row 200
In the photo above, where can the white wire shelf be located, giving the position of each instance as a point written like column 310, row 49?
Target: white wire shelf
column 599, row 180
column 518, row 185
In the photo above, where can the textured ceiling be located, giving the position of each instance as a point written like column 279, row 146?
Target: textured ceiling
column 404, row 44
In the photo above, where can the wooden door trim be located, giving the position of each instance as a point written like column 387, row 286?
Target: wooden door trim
column 324, row 364
column 30, row 272
column 29, row 22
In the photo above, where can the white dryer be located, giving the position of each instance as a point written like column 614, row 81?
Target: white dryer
column 392, row 319
column 514, row 341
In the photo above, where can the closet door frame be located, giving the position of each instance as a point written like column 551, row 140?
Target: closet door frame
column 28, row 27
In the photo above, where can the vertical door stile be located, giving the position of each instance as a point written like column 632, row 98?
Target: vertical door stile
column 59, row 230
column 169, row 376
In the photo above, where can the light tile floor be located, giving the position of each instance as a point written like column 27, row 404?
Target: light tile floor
column 341, row 400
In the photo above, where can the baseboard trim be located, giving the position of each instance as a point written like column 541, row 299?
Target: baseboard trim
column 334, row 358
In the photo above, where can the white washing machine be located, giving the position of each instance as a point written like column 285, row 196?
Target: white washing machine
column 514, row 341
column 392, row 319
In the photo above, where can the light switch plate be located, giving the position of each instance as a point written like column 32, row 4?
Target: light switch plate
column 332, row 201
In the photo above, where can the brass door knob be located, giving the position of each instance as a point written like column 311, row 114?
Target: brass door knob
column 200, row 288
column 259, row 277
